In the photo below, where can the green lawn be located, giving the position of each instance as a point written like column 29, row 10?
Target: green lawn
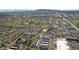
column 14, row 23
column 75, row 21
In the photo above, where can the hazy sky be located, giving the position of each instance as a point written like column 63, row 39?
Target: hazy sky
column 39, row 4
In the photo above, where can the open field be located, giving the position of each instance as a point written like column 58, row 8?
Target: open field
column 14, row 23
column 75, row 21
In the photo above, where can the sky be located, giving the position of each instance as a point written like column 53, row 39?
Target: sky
column 40, row 4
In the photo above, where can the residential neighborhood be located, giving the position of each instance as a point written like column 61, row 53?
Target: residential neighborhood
column 38, row 30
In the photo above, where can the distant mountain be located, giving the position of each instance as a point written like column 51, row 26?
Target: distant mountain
column 45, row 11
column 30, row 12
column 71, row 12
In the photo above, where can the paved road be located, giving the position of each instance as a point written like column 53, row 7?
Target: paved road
column 51, row 43
column 39, row 41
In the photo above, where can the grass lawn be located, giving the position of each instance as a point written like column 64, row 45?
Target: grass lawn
column 75, row 21
column 14, row 23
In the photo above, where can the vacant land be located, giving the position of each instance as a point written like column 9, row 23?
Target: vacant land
column 14, row 23
column 74, row 20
